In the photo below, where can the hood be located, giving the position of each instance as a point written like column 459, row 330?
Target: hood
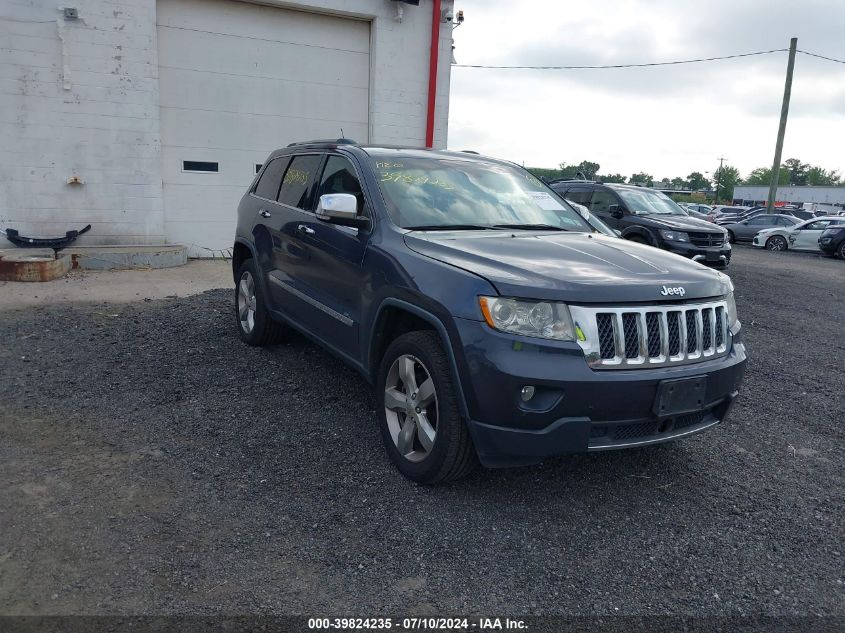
column 683, row 223
column 573, row 267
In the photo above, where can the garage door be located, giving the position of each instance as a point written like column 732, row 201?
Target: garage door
column 237, row 81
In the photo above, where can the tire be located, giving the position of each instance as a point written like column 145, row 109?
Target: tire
column 258, row 328
column 841, row 250
column 731, row 237
column 434, row 440
column 639, row 239
column 776, row 243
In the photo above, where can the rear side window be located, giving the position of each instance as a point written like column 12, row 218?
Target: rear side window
column 298, row 182
column 268, row 184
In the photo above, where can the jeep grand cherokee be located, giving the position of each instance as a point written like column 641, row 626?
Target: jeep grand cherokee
column 495, row 324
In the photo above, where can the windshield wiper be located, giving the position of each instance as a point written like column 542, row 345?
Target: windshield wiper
column 449, row 227
column 538, row 227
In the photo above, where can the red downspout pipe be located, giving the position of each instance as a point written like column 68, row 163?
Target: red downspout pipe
column 432, row 73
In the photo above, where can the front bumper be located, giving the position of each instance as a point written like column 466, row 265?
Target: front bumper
column 708, row 255
column 828, row 245
column 575, row 409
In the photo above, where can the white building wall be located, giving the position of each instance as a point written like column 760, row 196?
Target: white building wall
column 824, row 195
column 80, row 98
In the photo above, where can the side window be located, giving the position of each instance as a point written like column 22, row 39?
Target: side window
column 601, row 201
column 298, row 182
column 339, row 177
column 785, row 222
column 580, row 196
column 816, row 226
column 268, row 185
column 765, row 219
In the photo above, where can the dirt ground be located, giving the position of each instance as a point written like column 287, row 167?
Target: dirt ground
column 153, row 464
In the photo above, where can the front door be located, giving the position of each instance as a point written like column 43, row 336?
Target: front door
column 807, row 237
column 600, row 204
column 334, row 278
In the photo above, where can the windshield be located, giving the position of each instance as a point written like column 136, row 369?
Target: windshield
column 439, row 193
column 649, row 202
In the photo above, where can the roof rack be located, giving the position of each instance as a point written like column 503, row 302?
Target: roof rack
column 326, row 141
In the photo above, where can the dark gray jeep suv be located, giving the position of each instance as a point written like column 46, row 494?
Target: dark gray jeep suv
column 495, row 323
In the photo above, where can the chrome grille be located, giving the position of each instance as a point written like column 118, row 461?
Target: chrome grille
column 629, row 337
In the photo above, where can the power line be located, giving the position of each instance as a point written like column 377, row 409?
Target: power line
column 672, row 63
column 830, row 59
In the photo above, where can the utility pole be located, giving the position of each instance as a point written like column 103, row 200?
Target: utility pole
column 722, row 159
column 784, row 111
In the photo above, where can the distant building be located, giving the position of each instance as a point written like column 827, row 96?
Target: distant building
column 752, row 194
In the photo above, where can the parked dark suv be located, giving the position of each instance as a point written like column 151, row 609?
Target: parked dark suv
column 832, row 241
column 493, row 321
column 651, row 217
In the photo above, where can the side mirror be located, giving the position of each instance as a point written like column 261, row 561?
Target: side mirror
column 340, row 208
column 615, row 210
column 744, row 222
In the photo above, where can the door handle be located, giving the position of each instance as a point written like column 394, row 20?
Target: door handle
column 304, row 228
column 264, row 213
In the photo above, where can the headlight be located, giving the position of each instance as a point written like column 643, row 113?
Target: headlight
column 733, row 319
column 675, row 236
column 543, row 319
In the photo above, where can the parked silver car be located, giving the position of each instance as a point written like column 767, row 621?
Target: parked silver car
column 745, row 230
column 803, row 236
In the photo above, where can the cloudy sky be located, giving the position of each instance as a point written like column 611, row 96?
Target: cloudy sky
column 666, row 121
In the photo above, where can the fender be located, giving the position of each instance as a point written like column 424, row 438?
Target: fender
column 254, row 254
column 441, row 331
column 639, row 231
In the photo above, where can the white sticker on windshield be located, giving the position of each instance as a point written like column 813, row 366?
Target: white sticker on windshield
column 545, row 201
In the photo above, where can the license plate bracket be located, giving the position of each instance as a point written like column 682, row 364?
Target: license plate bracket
column 713, row 256
column 680, row 395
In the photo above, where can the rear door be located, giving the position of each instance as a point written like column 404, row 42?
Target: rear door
column 286, row 226
column 751, row 227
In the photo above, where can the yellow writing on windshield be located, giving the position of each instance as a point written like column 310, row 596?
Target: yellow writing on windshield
column 409, row 179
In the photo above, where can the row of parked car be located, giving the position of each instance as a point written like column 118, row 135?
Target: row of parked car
column 701, row 232
column 792, row 228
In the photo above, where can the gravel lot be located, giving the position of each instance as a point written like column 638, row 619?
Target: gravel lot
column 153, row 464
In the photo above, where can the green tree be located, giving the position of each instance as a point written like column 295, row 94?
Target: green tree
column 819, row 177
column 679, row 183
column 696, row 181
column 641, row 178
column 611, row 178
column 797, row 171
column 762, row 176
column 589, row 169
column 726, row 178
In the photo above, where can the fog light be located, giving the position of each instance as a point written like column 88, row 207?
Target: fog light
column 527, row 393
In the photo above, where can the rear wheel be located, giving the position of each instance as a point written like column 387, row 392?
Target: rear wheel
column 841, row 250
column 776, row 243
column 731, row 237
column 255, row 325
column 421, row 424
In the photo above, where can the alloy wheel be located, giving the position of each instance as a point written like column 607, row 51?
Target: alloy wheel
column 410, row 406
column 246, row 302
column 776, row 243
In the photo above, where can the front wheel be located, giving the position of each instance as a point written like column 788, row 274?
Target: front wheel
column 776, row 243
column 420, row 420
column 731, row 237
column 841, row 250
